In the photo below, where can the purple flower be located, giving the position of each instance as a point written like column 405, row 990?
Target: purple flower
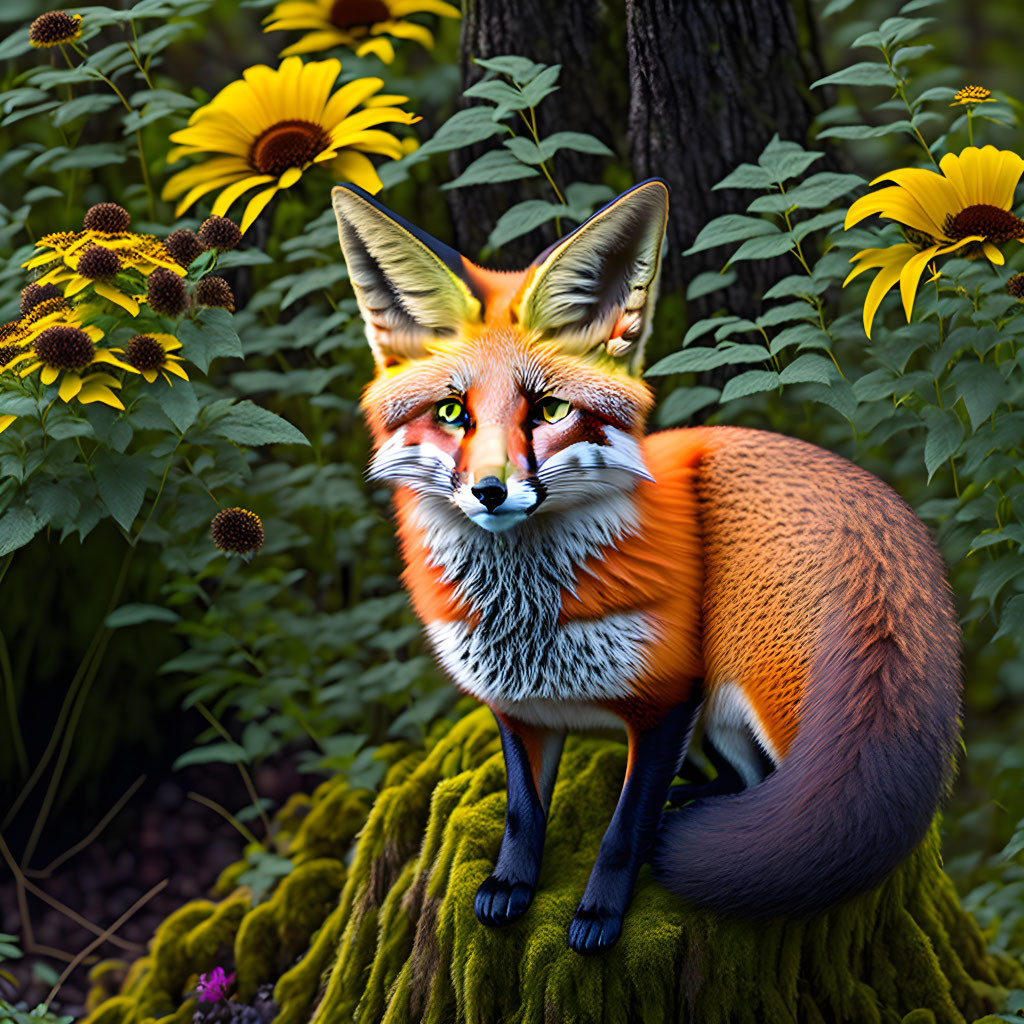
column 214, row 986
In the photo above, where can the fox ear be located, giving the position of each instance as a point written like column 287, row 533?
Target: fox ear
column 411, row 288
column 596, row 287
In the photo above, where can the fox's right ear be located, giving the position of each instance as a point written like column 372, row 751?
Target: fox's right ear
column 411, row 288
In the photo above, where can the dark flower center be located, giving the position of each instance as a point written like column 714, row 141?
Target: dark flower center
column 1015, row 286
column 287, row 144
column 53, row 28
column 993, row 223
column 108, row 218
column 65, row 348
column 34, row 294
column 166, row 292
column 220, row 233
column 8, row 352
column 144, row 353
column 353, row 13
column 183, row 245
column 97, row 263
column 237, row 529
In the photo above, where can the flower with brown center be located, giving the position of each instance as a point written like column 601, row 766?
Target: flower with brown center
column 966, row 209
column 215, row 291
column 237, row 529
column 166, row 293
column 1015, row 286
column 219, row 233
column 362, row 25
column 32, row 295
column 271, row 127
column 150, row 354
column 968, row 95
column 184, row 246
column 97, row 263
column 107, row 218
column 55, row 28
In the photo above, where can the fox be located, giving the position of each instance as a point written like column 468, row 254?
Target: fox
column 712, row 587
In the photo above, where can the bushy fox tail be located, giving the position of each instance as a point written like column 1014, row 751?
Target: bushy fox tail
column 871, row 760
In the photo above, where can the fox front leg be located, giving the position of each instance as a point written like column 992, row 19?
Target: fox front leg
column 655, row 753
column 531, row 761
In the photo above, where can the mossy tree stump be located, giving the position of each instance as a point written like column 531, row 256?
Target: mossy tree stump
column 402, row 944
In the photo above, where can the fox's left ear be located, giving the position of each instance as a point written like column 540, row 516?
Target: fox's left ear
column 596, row 287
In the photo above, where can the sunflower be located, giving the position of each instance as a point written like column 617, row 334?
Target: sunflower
column 965, row 209
column 272, row 125
column 67, row 350
column 149, row 353
column 361, row 25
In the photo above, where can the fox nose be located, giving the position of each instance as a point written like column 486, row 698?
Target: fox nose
column 490, row 492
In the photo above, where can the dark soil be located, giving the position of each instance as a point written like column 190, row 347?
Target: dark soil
column 160, row 834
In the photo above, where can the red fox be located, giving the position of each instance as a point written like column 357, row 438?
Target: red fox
column 572, row 572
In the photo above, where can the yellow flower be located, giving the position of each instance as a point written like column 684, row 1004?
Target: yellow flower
column 68, row 350
column 966, row 208
column 971, row 94
column 272, row 125
column 55, row 28
column 148, row 353
column 361, row 25
column 63, row 252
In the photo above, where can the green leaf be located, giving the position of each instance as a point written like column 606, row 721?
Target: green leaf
column 981, row 387
column 1011, row 623
column 317, row 279
column 582, row 198
column 746, row 176
column 702, row 327
column 16, row 405
column 210, row 335
column 897, row 30
column 248, row 423
column 524, row 149
column 121, row 481
column 180, row 404
column 945, row 432
column 862, row 73
column 786, row 313
column 837, row 394
column 18, row 525
column 497, row 165
column 80, row 106
column 807, row 369
column 520, row 69
column 683, row 403
column 828, row 219
column 805, row 335
column 786, row 160
column 911, row 53
column 763, row 248
column 995, row 576
column 504, row 96
column 220, row 753
column 541, row 85
column 733, row 227
column 53, row 502
column 814, row 193
column 866, row 131
column 708, row 282
column 795, row 284
column 750, row 383
column 133, row 614
column 695, row 360
column 463, row 128
column 522, row 218
column 578, row 142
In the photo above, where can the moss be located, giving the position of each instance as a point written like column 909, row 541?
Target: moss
column 402, row 944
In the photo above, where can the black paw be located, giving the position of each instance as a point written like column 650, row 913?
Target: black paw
column 595, row 930
column 501, row 902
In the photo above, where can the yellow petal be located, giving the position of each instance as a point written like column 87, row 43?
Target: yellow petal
column 407, row 30
column 70, row 385
column 289, row 177
column 993, row 253
column 232, row 192
column 49, row 374
column 380, row 47
column 910, row 277
column 150, row 375
column 354, row 167
column 347, row 98
column 209, row 169
column 868, row 259
column 5, row 421
column 104, row 355
column 75, row 285
column 169, row 341
column 95, row 392
column 198, row 191
column 884, row 280
column 176, row 368
column 373, row 140
column 400, row 8
column 315, row 42
column 257, row 205
column 126, row 302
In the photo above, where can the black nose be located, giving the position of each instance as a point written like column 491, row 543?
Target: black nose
column 490, row 492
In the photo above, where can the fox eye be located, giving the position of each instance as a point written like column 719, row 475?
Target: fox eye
column 552, row 409
column 453, row 412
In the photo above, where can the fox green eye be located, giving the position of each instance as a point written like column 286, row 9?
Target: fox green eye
column 552, row 409
column 452, row 412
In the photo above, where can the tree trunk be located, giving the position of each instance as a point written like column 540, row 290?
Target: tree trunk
column 587, row 37
column 711, row 81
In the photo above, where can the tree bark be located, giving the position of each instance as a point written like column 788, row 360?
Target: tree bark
column 587, row 37
column 710, row 82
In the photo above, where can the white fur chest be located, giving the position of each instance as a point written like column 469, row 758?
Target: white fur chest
column 518, row 657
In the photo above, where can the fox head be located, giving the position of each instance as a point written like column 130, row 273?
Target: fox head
column 501, row 396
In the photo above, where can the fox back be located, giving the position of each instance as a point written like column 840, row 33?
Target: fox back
column 571, row 571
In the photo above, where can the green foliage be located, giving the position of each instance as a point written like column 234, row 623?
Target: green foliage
column 41, row 1013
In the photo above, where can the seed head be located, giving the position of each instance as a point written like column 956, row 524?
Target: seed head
column 215, row 291
column 166, row 292
column 55, row 28
column 64, row 347
column 33, row 294
column 144, row 353
column 1015, row 286
column 219, row 233
column 183, row 245
column 237, row 529
column 97, row 263
column 8, row 352
column 108, row 218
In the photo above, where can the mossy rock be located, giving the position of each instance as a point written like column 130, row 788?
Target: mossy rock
column 402, row 943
